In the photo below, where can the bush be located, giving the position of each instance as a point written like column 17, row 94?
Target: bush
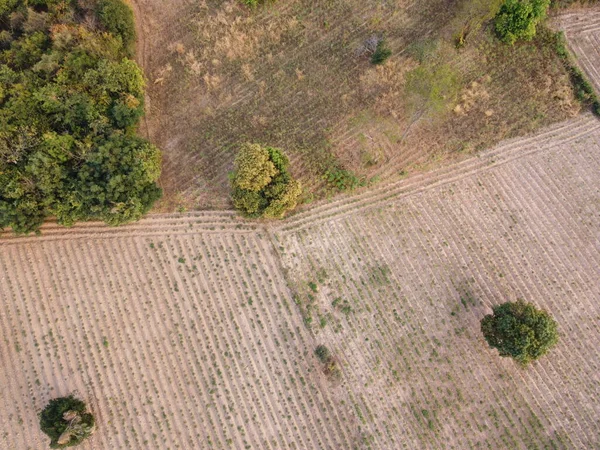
column 70, row 101
column 261, row 185
column 66, row 421
column 381, row 53
column 343, row 180
column 519, row 330
column 323, row 354
column 517, row 19
column 117, row 18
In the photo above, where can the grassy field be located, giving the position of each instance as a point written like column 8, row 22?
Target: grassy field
column 294, row 74
column 199, row 330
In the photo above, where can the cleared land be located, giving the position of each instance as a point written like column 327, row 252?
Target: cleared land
column 182, row 332
column 291, row 74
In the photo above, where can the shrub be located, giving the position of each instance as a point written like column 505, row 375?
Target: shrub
column 343, row 180
column 66, row 421
column 517, row 19
column 261, row 185
column 381, row 53
column 323, row 354
column 117, row 18
column 519, row 330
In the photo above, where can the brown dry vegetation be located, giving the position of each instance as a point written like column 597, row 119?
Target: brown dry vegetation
column 288, row 75
column 181, row 331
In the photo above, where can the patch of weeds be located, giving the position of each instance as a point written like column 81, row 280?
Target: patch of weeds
column 331, row 368
column 313, row 286
column 342, row 305
column 343, row 180
column 105, row 342
column 381, row 54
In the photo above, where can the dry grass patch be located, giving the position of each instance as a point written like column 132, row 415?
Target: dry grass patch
column 292, row 75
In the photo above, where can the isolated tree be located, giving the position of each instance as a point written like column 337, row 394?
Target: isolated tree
column 518, row 19
column 66, row 421
column 261, row 184
column 519, row 330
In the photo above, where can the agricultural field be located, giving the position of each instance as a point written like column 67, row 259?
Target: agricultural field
column 295, row 74
column 581, row 29
column 354, row 323
column 179, row 332
column 198, row 330
column 395, row 283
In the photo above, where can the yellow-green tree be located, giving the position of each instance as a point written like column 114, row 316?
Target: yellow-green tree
column 261, row 184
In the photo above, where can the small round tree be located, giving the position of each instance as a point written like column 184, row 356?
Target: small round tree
column 261, row 184
column 518, row 19
column 519, row 330
column 66, row 421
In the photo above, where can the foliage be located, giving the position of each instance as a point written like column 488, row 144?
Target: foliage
column 323, row 354
column 517, row 19
column 117, row 18
column 66, row 421
column 69, row 104
column 343, row 180
column 261, row 185
column 584, row 92
column 381, row 54
column 519, row 330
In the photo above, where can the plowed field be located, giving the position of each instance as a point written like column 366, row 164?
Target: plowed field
column 182, row 331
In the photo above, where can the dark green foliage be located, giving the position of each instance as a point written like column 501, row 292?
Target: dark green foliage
column 343, row 180
column 117, row 18
column 69, row 104
column 381, row 54
column 79, row 423
column 519, row 330
column 323, row 354
column 517, row 19
column 261, row 184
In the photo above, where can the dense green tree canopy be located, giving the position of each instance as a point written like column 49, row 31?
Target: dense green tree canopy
column 261, row 185
column 70, row 100
column 66, row 421
column 519, row 330
column 518, row 19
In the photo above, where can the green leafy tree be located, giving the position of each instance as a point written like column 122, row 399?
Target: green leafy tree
column 518, row 19
column 70, row 101
column 117, row 17
column 519, row 330
column 261, row 184
column 66, row 421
